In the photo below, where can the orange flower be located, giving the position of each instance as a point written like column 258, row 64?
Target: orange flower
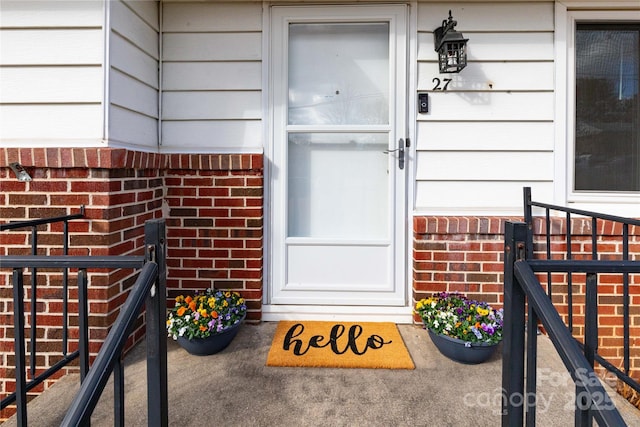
column 192, row 305
column 181, row 311
column 214, row 314
column 203, row 328
column 478, row 325
column 188, row 299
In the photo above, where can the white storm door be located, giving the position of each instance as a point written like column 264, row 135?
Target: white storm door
column 338, row 206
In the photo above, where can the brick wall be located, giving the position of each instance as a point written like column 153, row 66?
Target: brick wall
column 215, row 225
column 465, row 254
column 458, row 254
column 212, row 204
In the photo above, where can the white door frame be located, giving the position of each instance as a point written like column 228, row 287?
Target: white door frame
column 400, row 313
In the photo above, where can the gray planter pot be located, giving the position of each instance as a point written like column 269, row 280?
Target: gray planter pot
column 213, row 344
column 461, row 351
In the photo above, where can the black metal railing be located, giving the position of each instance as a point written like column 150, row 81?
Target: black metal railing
column 617, row 223
column 66, row 357
column 150, row 288
column 522, row 289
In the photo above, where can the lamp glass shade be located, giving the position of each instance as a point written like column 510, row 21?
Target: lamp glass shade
column 452, row 52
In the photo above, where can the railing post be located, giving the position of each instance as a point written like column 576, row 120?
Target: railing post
column 156, row 304
column 83, row 323
column 528, row 219
column 583, row 412
column 513, row 399
column 18, row 336
column 118, row 393
column 625, row 299
column 65, row 291
column 532, row 357
column 570, row 274
column 34, row 303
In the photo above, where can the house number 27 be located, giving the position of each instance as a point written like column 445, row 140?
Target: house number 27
column 438, row 83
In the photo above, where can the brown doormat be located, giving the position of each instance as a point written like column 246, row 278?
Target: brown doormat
column 339, row 345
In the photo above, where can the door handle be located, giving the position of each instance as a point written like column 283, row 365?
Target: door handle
column 400, row 151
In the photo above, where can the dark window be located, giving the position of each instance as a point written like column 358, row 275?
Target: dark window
column 607, row 141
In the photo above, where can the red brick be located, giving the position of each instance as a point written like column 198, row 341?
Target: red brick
column 228, row 222
column 27, row 199
column 69, row 199
column 228, row 202
column 229, row 182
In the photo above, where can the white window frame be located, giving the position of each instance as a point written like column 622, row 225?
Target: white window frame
column 568, row 16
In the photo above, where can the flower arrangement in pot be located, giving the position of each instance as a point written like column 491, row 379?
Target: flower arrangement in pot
column 205, row 323
column 462, row 329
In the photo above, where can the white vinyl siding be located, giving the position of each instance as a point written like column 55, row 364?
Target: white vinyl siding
column 212, row 77
column 491, row 132
column 51, row 76
column 133, row 76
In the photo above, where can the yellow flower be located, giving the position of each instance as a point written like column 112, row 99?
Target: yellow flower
column 482, row 311
column 180, row 299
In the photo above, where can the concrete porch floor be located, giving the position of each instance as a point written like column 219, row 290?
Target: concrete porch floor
column 235, row 387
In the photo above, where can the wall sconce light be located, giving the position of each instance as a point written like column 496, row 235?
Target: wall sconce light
column 451, row 47
column 20, row 172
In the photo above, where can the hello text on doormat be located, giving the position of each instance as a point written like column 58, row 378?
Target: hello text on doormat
column 338, row 345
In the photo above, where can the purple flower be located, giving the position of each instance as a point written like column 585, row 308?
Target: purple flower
column 488, row 328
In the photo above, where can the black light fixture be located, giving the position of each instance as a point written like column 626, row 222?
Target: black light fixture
column 451, row 47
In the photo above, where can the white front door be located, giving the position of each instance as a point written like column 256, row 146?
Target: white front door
column 338, row 207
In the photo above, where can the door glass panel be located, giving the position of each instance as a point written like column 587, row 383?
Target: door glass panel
column 607, row 142
column 338, row 185
column 338, row 73
column 339, row 76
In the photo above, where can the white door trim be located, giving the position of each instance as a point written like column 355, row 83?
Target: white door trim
column 403, row 312
column 274, row 313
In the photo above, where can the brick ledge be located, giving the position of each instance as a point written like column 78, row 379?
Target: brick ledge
column 118, row 158
column 495, row 225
